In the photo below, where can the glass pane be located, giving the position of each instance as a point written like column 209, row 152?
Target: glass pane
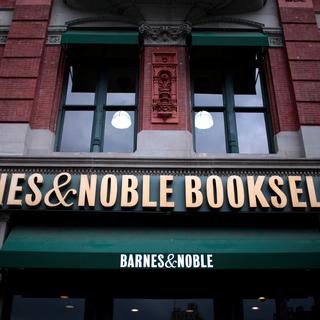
column 257, row 310
column 119, row 131
column 82, row 82
column 247, row 89
column 212, row 139
column 121, row 88
column 163, row 309
column 207, row 100
column 208, row 87
column 302, row 308
column 47, row 308
column 121, row 99
column 76, row 132
column 252, row 133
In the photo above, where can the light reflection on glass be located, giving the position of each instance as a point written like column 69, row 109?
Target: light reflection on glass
column 252, row 133
column 118, row 140
column 76, row 132
column 211, row 140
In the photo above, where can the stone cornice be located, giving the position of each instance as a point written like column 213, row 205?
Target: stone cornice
column 165, row 34
column 101, row 165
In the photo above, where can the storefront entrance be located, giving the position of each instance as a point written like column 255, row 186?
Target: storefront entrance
column 141, row 295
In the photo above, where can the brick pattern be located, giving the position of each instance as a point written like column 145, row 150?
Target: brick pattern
column 22, row 61
column 316, row 5
column 7, row 4
column 281, row 97
column 146, row 85
column 302, row 43
column 45, row 108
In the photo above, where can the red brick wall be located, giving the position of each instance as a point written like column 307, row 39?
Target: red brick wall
column 7, row 4
column 183, row 94
column 316, row 4
column 302, row 43
column 22, row 59
column 281, row 97
column 46, row 106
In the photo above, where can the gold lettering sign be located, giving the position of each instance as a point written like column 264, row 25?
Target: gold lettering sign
column 205, row 193
column 194, row 197
column 215, row 192
column 280, row 200
column 165, row 191
column 14, row 189
column 129, row 193
column 146, row 202
column 34, row 181
column 235, row 191
column 108, row 191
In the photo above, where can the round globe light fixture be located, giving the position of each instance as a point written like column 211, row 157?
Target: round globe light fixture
column 121, row 120
column 203, row 120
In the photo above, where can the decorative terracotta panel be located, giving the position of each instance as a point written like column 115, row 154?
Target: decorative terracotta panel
column 164, row 88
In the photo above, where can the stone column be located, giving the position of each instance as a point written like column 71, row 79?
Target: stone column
column 164, row 103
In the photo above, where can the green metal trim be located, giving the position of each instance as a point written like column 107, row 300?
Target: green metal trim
column 99, row 37
column 100, row 248
column 230, row 39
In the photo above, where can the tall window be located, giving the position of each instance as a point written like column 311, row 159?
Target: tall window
column 229, row 103
column 99, row 104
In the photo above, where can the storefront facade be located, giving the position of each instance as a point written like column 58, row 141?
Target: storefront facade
column 159, row 160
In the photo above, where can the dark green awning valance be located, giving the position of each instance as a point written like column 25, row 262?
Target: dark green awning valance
column 230, row 39
column 99, row 37
column 101, row 248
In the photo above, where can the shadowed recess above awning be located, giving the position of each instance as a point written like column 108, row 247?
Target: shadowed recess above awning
column 101, row 248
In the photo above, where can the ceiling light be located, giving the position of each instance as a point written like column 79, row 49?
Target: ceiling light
column 134, row 310
column 121, row 120
column 189, row 310
column 69, row 306
column 203, row 120
column 64, row 297
column 262, row 299
column 255, row 308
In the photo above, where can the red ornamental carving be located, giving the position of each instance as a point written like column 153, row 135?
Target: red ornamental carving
column 164, row 89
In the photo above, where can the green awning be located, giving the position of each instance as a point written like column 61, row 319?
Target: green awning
column 85, row 248
column 230, row 39
column 99, row 37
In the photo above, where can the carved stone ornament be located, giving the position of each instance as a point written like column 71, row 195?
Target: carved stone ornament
column 164, row 87
column 159, row 35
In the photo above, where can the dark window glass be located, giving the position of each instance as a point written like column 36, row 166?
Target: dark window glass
column 82, row 80
column 247, row 90
column 160, row 309
column 47, row 308
column 76, row 131
column 121, row 87
column 100, row 86
column 254, row 309
column 208, row 88
column 229, row 108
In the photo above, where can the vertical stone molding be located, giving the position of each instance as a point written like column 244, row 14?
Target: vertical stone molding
column 164, row 87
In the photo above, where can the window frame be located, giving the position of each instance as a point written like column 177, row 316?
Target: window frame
column 229, row 108
column 100, row 106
